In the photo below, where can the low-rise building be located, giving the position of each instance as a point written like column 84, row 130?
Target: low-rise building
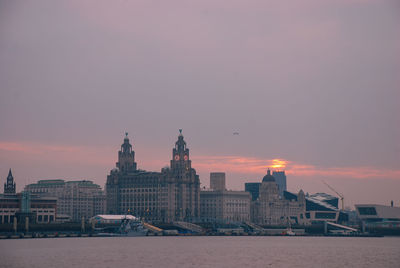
column 373, row 215
column 21, row 205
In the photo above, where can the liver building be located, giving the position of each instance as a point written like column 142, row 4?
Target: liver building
column 170, row 195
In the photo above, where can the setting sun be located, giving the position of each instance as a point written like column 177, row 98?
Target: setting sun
column 278, row 163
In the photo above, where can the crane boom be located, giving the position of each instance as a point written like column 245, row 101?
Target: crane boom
column 340, row 195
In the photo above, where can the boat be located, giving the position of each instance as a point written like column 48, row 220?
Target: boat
column 128, row 227
column 289, row 231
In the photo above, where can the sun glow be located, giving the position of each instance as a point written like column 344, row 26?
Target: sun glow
column 278, row 163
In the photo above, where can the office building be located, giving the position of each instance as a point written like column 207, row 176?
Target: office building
column 253, row 188
column 280, row 179
column 271, row 209
column 170, row 195
column 220, row 205
column 217, row 181
column 76, row 199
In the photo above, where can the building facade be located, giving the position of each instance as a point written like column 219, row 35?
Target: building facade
column 271, row 209
column 220, row 205
column 253, row 188
column 76, row 199
column 217, row 181
column 170, row 195
column 280, row 179
column 21, row 205
column 225, row 206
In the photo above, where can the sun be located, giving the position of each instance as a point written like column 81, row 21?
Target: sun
column 278, row 163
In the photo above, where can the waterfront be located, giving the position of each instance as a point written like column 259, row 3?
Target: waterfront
column 202, row 252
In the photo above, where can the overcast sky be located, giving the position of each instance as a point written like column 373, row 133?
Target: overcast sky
column 313, row 84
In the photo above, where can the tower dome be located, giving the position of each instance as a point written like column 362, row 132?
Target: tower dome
column 268, row 177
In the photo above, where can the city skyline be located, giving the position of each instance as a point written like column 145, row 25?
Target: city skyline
column 310, row 86
column 256, row 168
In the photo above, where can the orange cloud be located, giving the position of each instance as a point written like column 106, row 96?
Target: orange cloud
column 247, row 166
column 258, row 166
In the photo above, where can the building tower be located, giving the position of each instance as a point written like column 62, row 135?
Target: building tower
column 9, row 186
column 280, row 179
column 180, row 162
column 187, row 183
column 126, row 157
column 217, row 181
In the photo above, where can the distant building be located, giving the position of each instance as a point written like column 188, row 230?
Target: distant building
column 76, row 199
column 271, row 209
column 22, row 205
column 9, row 185
column 253, row 188
column 170, row 195
column 222, row 205
column 373, row 215
column 280, row 179
column 320, row 207
column 217, row 181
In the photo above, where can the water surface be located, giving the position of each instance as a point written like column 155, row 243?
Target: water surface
column 261, row 251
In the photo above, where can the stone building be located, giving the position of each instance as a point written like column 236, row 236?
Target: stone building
column 221, row 205
column 21, row 205
column 272, row 209
column 76, row 199
column 170, row 195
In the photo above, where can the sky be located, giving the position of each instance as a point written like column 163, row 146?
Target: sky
column 312, row 87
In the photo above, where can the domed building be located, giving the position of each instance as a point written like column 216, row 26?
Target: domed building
column 272, row 209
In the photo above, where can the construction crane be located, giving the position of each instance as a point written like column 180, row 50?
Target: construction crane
column 340, row 195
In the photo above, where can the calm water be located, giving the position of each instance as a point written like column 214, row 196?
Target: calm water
column 201, row 252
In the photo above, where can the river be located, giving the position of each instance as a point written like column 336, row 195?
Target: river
column 203, row 251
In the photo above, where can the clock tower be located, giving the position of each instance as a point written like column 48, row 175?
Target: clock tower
column 186, row 183
column 180, row 163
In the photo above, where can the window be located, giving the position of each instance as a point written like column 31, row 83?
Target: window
column 329, row 215
column 367, row 211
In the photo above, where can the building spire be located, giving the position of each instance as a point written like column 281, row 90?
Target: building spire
column 9, row 186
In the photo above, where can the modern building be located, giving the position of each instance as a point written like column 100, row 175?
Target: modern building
column 271, row 209
column 220, row 205
column 170, row 195
column 373, row 215
column 217, row 181
column 253, row 188
column 21, row 205
column 320, row 207
column 280, row 179
column 76, row 199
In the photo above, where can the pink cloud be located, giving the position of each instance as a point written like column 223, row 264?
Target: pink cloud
column 258, row 166
column 106, row 156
